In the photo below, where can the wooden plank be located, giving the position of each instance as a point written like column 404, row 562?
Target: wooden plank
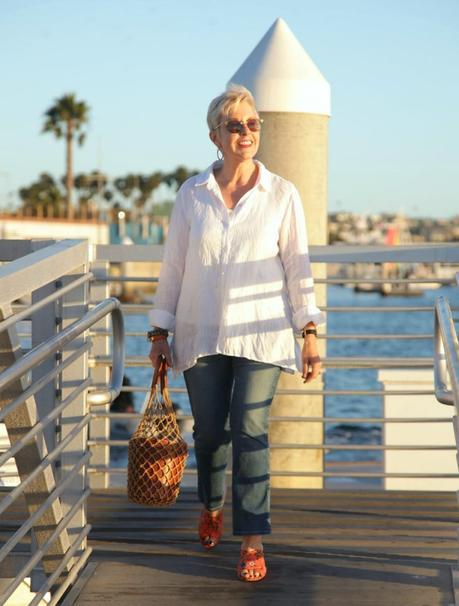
column 325, row 545
column 455, row 579
column 201, row 578
column 71, row 597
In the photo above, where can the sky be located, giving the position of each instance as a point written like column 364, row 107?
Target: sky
column 149, row 68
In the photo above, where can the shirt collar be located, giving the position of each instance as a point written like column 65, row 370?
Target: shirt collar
column 207, row 176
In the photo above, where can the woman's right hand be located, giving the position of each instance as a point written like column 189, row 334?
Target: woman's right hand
column 159, row 348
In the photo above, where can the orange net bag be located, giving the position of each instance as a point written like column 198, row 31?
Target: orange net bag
column 157, row 452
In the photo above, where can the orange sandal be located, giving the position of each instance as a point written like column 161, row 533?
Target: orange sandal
column 210, row 529
column 251, row 561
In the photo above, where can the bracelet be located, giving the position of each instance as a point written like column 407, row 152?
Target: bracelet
column 157, row 331
column 157, row 338
column 309, row 331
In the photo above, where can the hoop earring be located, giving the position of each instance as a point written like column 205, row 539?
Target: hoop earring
column 219, row 157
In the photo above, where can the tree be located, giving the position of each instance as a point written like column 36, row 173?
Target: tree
column 66, row 118
column 126, row 186
column 147, row 186
column 43, row 194
column 179, row 176
column 138, row 189
column 91, row 187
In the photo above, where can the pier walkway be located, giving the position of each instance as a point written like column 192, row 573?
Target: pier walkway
column 328, row 547
column 69, row 536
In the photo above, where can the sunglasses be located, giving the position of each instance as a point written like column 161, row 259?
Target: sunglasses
column 238, row 126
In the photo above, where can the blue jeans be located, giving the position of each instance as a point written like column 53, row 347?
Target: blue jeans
column 230, row 399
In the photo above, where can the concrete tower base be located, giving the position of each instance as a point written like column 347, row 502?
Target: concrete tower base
column 294, row 145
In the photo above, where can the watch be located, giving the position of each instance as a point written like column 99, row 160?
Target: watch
column 309, row 331
column 157, row 331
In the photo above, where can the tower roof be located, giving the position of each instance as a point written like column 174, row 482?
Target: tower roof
column 281, row 75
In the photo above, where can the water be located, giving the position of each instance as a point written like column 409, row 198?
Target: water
column 404, row 322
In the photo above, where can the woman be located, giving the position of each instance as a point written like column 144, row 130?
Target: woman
column 234, row 283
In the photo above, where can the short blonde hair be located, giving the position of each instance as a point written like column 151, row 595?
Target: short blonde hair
column 221, row 105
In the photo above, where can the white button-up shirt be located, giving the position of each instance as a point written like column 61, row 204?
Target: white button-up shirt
column 236, row 282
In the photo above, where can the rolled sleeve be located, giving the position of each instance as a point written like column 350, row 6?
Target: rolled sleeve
column 172, row 267
column 294, row 254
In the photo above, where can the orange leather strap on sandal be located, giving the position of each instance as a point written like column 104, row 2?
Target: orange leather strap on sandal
column 251, row 562
column 210, row 529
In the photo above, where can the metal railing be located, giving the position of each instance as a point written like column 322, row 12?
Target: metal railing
column 54, row 393
column 446, row 361
column 447, row 368
column 426, row 253
column 44, row 406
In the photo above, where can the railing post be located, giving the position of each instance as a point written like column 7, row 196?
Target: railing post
column 100, row 427
column 44, row 326
column 28, row 458
column 73, row 306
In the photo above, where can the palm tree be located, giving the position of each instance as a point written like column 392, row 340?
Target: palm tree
column 147, row 186
column 179, row 176
column 44, row 193
column 66, row 118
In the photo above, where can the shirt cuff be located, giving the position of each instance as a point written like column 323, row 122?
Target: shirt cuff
column 305, row 315
column 161, row 319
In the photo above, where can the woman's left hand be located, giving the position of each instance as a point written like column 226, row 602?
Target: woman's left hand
column 311, row 361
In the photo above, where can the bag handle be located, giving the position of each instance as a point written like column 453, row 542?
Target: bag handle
column 161, row 374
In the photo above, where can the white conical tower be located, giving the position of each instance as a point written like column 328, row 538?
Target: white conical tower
column 293, row 98
column 281, row 75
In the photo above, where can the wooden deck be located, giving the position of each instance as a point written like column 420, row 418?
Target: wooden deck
column 328, row 547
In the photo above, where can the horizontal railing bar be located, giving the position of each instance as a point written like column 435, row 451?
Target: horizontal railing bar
column 364, row 474
column 67, row 557
column 382, row 447
column 50, row 457
column 142, row 308
column 335, row 362
column 27, row 525
column 39, row 552
column 352, row 420
column 129, row 279
column 426, row 252
column 367, row 280
column 304, row 474
column 107, row 333
column 380, row 393
column 131, row 308
column 394, row 309
column 376, row 337
column 330, row 280
column 44, row 422
column 30, row 310
column 35, row 387
column 72, row 575
column 312, row 392
column 349, row 420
